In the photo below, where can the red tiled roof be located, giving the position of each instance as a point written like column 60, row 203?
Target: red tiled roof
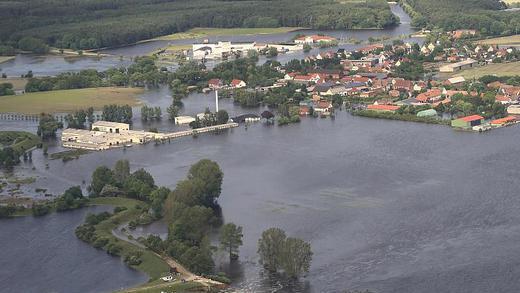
column 504, row 120
column 323, row 104
column 383, row 107
column 215, row 81
column 502, row 98
column 235, row 82
column 471, row 118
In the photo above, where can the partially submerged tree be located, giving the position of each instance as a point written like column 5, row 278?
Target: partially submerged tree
column 277, row 252
column 231, row 239
column 270, row 247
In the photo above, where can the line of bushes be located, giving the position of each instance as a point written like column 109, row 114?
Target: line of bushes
column 402, row 117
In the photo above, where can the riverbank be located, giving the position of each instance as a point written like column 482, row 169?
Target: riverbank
column 65, row 101
column 78, row 53
column 212, row 32
column 111, row 233
column 151, row 263
column 400, row 117
column 6, row 58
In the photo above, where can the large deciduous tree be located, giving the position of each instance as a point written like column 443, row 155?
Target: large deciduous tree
column 270, row 247
column 207, row 173
column 277, row 252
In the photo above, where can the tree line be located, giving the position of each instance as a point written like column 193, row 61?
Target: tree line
column 482, row 15
column 93, row 24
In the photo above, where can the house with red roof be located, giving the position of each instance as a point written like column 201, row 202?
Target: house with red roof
column 402, row 84
column 458, row 34
column 323, row 107
column 504, row 121
column 503, row 99
column 304, row 110
column 467, row 122
column 383, row 108
column 215, row 83
column 237, row 84
column 430, row 96
column 306, row 79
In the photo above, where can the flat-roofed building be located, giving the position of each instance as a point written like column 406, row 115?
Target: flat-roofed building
column 468, row 63
column 111, row 127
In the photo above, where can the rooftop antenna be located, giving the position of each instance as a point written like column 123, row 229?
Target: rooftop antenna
column 216, row 101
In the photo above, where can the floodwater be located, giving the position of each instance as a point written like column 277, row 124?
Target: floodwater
column 44, row 255
column 388, row 206
column 53, row 65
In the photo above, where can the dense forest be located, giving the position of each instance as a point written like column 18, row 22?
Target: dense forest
column 486, row 16
column 88, row 24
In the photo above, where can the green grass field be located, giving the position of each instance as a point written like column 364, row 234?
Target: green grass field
column 498, row 69
column 208, row 32
column 64, row 101
column 509, row 40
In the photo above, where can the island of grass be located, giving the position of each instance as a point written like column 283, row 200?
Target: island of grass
column 151, row 263
column 19, row 141
column 101, row 234
column 68, row 154
column 211, row 32
column 64, row 101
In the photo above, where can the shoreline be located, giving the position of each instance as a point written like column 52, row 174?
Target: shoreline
column 4, row 59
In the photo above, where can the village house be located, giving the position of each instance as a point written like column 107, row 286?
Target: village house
column 371, row 48
column 323, row 107
column 237, row 84
column 383, row 108
column 304, row 110
column 467, row 122
column 401, row 84
column 450, row 93
column 430, row 96
column 458, row 34
column 364, row 62
column 215, row 84
column 504, row 121
column 328, row 73
column 504, row 100
column 510, row 91
column 306, row 79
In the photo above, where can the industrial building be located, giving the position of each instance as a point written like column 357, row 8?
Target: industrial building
column 468, row 63
column 223, row 50
column 105, row 137
column 111, row 127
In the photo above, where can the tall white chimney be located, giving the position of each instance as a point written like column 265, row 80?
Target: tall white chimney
column 216, row 101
